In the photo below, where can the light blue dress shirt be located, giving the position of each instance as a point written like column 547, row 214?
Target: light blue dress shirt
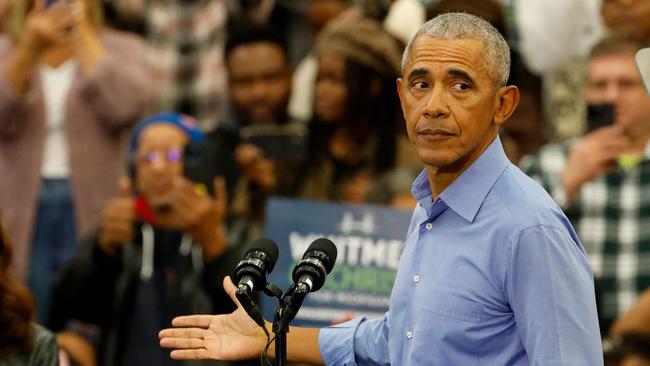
column 492, row 273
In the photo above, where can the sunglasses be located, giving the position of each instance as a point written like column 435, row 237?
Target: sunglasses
column 172, row 156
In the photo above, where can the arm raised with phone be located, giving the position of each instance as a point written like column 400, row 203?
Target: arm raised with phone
column 617, row 117
column 53, row 32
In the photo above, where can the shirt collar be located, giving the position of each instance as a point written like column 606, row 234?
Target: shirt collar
column 467, row 192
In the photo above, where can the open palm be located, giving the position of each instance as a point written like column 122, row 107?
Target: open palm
column 227, row 337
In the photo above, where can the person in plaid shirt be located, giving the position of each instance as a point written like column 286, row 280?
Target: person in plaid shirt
column 602, row 180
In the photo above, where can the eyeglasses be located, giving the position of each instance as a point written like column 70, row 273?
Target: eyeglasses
column 172, row 156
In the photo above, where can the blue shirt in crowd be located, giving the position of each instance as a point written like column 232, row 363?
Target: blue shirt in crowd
column 492, row 273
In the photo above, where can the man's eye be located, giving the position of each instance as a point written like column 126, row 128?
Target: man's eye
column 461, row 86
column 420, row 85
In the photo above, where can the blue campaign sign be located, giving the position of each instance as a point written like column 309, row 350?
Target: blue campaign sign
column 369, row 240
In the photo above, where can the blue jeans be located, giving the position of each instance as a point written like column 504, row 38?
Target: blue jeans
column 54, row 241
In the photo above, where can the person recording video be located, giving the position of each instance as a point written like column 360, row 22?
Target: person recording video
column 70, row 90
column 599, row 179
column 160, row 251
column 259, row 143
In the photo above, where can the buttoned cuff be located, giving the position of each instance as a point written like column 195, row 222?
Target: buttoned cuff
column 336, row 343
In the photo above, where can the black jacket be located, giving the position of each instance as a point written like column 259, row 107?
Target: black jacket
column 106, row 291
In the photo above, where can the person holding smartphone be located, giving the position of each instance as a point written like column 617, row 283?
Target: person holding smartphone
column 159, row 251
column 69, row 91
column 600, row 178
column 260, row 146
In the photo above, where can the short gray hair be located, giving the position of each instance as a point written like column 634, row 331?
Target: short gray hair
column 451, row 26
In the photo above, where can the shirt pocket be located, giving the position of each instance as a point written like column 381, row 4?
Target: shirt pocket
column 449, row 329
column 456, row 308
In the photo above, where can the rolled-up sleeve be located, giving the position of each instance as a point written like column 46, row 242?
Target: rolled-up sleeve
column 357, row 342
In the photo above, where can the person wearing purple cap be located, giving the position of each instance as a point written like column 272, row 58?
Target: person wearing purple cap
column 159, row 252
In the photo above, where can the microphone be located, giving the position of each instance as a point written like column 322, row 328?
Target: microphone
column 250, row 274
column 316, row 264
column 309, row 275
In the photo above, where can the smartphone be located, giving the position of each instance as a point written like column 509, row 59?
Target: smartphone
column 279, row 142
column 194, row 168
column 643, row 63
column 599, row 115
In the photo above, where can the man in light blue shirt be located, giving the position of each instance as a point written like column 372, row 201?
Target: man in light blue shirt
column 492, row 272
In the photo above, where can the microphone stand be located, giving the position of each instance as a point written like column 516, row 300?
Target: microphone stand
column 288, row 304
column 279, row 329
column 280, row 337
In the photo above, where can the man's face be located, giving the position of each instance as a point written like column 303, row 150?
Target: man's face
column 627, row 15
column 331, row 90
column 450, row 105
column 259, row 78
column 159, row 160
column 614, row 79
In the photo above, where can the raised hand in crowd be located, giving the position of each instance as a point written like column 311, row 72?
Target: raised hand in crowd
column 255, row 166
column 593, row 155
column 191, row 210
column 636, row 319
column 51, row 25
column 46, row 27
column 53, row 34
column 187, row 209
column 87, row 47
column 118, row 219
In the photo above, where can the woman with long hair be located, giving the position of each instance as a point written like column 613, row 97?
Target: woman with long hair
column 21, row 341
column 356, row 112
column 69, row 91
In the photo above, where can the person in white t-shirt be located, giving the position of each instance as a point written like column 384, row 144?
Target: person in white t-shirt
column 69, row 89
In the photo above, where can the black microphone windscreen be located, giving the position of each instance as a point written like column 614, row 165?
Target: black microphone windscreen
column 326, row 246
column 267, row 246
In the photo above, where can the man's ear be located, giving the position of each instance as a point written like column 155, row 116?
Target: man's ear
column 400, row 92
column 506, row 99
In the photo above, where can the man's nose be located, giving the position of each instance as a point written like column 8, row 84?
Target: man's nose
column 612, row 93
column 436, row 104
column 158, row 165
column 259, row 88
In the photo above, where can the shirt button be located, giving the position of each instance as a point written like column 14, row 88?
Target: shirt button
column 416, row 278
column 429, row 225
column 409, row 334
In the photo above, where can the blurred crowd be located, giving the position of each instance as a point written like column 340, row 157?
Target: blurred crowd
column 140, row 139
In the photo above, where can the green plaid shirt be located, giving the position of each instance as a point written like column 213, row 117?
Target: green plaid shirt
column 612, row 218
